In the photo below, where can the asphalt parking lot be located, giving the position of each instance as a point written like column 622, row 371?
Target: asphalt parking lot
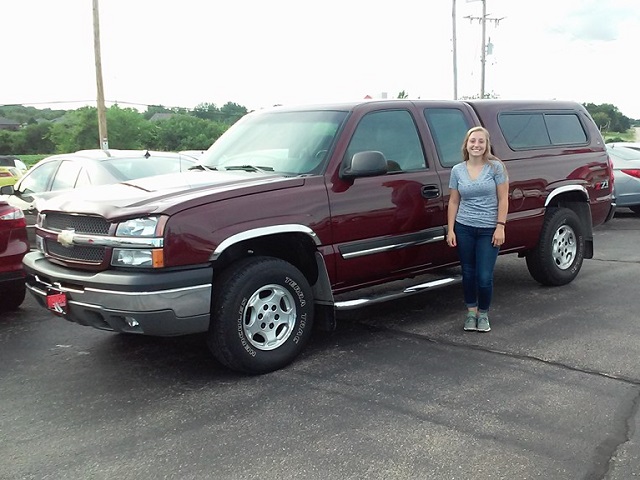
column 398, row 392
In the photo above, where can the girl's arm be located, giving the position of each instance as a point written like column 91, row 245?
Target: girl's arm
column 502, row 191
column 452, row 210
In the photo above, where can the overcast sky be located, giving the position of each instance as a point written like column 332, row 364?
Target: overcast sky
column 258, row 53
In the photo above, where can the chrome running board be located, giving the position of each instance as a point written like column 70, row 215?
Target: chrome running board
column 384, row 293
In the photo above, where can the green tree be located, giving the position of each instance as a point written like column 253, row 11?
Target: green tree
column 186, row 132
column 232, row 112
column 6, row 143
column 617, row 122
column 127, row 128
column 23, row 114
column 207, row 111
column 77, row 130
column 602, row 120
column 34, row 139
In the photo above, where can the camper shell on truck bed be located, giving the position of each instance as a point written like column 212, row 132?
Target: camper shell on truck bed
column 295, row 213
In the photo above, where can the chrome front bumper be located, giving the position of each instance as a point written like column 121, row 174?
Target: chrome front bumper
column 151, row 303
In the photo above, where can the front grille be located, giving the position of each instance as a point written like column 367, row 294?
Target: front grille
column 78, row 253
column 79, row 223
column 82, row 224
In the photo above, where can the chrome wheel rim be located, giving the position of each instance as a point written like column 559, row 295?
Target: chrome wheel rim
column 269, row 317
column 565, row 247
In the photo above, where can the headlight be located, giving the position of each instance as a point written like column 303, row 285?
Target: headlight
column 141, row 258
column 148, row 253
column 138, row 227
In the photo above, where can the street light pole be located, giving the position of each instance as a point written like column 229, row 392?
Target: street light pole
column 102, row 116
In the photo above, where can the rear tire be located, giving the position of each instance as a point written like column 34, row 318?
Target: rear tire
column 261, row 315
column 558, row 257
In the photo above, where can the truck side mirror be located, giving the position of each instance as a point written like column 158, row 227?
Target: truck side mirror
column 365, row 164
column 7, row 190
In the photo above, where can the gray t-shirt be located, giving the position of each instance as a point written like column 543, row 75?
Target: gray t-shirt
column 478, row 198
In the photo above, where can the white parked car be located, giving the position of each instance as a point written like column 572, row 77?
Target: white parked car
column 86, row 168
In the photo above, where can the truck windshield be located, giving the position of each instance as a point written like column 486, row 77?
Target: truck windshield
column 292, row 142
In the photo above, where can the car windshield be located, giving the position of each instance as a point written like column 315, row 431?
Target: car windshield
column 138, row 167
column 291, row 143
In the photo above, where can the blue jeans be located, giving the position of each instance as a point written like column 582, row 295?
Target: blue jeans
column 478, row 258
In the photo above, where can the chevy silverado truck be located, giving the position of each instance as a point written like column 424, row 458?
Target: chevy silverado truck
column 297, row 212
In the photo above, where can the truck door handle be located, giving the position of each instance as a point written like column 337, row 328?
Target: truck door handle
column 430, row 191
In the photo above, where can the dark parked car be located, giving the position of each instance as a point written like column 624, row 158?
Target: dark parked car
column 86, row 168
column 626, row 172
column 13, row 246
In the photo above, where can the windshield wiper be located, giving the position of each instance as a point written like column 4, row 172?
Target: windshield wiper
column 250, row 168
column 201, row 167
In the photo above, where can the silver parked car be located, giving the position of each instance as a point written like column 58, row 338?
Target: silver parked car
column 626, row 172
column 85, row 168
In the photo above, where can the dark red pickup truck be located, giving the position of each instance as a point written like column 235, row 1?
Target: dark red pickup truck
column 295, row 213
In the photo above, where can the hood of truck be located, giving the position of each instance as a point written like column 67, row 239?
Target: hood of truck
column 165, row 194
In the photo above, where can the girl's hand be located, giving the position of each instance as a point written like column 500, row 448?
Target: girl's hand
column 498, row 236
column 451, row 238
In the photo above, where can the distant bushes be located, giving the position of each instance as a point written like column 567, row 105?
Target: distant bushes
column 127, row 128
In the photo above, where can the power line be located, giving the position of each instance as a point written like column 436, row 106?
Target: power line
column 45, row 103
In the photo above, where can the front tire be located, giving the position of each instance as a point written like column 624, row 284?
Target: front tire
column 261, row 315
column 558, row 257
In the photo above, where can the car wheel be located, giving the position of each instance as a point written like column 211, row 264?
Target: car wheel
column 557, row 258
column 13, row 297
column 261, row 315
column 635, row 209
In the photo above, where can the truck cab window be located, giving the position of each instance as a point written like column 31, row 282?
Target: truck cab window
column 392, row 132
column 448, row 127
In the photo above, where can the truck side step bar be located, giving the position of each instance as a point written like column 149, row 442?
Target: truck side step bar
column 373, row 295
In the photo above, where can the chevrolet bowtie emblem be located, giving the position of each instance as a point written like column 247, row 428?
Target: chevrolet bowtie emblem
column 65, row 238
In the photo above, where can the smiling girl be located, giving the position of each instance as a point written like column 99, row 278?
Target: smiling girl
column 476, row 220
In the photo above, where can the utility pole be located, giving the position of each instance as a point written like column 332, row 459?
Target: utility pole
column 102, row 116
column 483, row 58
column 455, row 51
